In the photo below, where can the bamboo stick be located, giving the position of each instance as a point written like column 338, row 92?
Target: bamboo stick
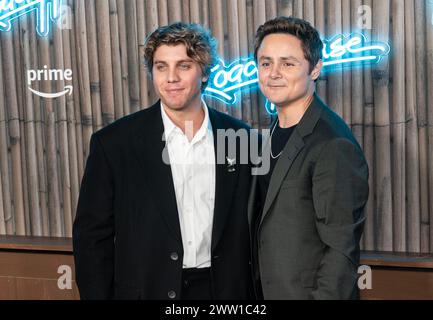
column 320, row 25
column 347, row 75
column 309, row 11
column 83, row 75
column 123, row 56
column 421, row 102
column 163, row 12
column 105, row 62
column 370, row 234
column 363, row 107
column 174, row 10
column 2, row 212
column 233, row 46
column 151, row 25
column 20, row 105
column 14, row 133
column 254, row 93
column 195, row 11
column 412, row 153
column 298, row 8
column 205, row 11
column 355, row 109
column 335, row 78
column 384, row 223
column 141, row 33
column 35, row 221
column 62, row 137
column 54, row 195
column 40, row 134
column 116, row 61
column 185, row 11
column 71, row 125
column 246, row 102
column 398, row 127
column 217, row 27
column 5, row 203
column 151, row 15
column 93, row 65
column 206, row 14
column 429, row 47
column 259, row 19
column 134, row 77
column 271, row 9
column 75, row 108
column 368, row 239
column 285, row 8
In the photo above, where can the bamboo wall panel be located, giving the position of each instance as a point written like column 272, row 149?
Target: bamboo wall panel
column 44, row 143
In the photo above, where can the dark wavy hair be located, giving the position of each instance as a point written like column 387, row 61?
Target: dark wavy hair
column 312, row 45
column 200, row 45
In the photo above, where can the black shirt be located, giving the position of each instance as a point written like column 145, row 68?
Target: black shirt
column 278, row 139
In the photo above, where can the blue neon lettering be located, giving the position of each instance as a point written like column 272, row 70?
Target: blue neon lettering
column 224, row 80
column 47, row 11
column 342, row 48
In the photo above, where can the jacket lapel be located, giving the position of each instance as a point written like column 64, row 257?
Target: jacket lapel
column 148, row 148
column 225, row 182
column 291, row 150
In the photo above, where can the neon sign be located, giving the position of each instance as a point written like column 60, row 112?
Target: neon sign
column 225, row 81
column 47, row 11
column 340, row 51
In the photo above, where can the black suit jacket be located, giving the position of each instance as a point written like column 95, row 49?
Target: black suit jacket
column 308, row 232
column 126, row 236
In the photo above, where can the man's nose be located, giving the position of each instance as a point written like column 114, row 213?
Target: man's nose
column 275, row 72
column 172, row 75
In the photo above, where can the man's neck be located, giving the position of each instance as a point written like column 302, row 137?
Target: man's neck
column 291, row 114
column 189, row 120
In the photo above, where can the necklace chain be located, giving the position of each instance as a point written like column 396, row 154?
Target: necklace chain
column 272, row 132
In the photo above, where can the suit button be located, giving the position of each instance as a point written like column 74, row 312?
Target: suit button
column 174, row 256
column 171, row 294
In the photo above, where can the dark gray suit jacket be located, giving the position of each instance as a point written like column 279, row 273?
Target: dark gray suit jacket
column 309, row 230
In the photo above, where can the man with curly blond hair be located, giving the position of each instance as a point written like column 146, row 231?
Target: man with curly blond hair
column 158, row 216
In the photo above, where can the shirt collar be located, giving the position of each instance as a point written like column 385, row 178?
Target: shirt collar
column 170, row 127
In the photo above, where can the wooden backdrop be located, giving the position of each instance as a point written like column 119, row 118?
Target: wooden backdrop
column 44, row 142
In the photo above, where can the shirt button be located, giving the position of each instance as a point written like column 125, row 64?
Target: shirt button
column 174, row 256
column 171, row 294
column 189, row 243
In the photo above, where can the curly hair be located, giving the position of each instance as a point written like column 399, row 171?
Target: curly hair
column 199, row 43
column 312, row 45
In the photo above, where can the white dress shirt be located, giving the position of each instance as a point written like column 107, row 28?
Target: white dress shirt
column 193, row 171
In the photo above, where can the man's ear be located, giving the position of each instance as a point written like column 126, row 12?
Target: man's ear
column 204, row 78
column 315, row 73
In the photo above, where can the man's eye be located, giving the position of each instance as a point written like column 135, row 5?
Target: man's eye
column 288, row 64
column 265, row 64
column 185, row 66
column 160, row 68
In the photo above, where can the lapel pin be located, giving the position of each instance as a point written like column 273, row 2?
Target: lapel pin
column 231, row 164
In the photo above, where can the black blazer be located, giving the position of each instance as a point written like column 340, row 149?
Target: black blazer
column 308, row 233
column 126, row 235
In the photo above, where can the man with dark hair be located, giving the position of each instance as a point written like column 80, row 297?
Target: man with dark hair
column 158, row 217
column 307, row 212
